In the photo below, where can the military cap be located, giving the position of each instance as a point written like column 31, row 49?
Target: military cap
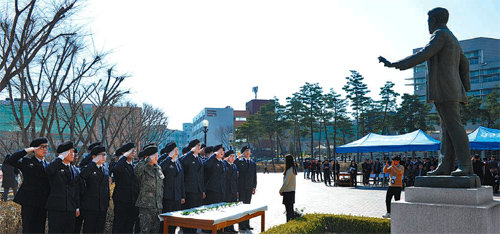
column 169, row 147
column 148, row 150
column 193, row 143
column 209, row 150
column 125, row 148
column 97, row 150
column 38, row 141
column 185, row 150
column 244, row 148
column 91, row 146
column 63, row 147
column 218, row 147
column 228, row 153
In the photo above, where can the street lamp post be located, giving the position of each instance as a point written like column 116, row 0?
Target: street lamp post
column 205, row 123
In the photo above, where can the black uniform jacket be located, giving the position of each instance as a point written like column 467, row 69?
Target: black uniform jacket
column 126, row 182
column 96, row 194
column 64, row 186
column 193, row 173
column 35, row 188
column 173, row 184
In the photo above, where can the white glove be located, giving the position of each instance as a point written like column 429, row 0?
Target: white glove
column 96, row 159
column 61, row 156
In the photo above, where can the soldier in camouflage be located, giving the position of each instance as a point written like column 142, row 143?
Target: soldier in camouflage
column 151, row 194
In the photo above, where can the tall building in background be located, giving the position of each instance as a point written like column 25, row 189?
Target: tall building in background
column 220, row 128
column 253, row 106
column 180, row 137
column 484, row 59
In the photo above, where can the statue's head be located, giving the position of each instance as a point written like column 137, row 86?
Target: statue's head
column 437, row 17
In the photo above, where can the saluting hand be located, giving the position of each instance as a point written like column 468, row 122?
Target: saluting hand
column 183, row 201
column 31, row 149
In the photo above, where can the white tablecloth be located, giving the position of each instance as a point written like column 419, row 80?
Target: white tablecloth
column 221, row 215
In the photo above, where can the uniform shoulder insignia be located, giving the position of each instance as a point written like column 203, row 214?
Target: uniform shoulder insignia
column 171, row 166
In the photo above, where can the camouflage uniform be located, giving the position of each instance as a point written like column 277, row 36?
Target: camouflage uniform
column 150, row 195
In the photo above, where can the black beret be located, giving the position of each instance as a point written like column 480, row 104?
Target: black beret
column 91, row 146
column 245, row 148
column 162, row 151
column 218, row 147
column 228, row 153
column 209, row 149
column 148, row 150
column 125, row 148
column 193, row 143
column 97, row 150
column 185, row 150
column 203, row 146
column 169, row 147
column 63, row 147
column 38, row 141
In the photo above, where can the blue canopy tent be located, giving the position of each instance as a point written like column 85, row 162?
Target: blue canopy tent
column 485, row 139
column 413, row 141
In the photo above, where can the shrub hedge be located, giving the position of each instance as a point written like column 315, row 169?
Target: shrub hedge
column 331, row 223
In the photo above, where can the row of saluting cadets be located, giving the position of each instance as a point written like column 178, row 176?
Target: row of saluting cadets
column 73, row 197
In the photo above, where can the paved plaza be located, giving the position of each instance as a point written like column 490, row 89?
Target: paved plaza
column 316, row 198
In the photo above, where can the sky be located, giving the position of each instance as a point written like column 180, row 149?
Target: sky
column 186, row 55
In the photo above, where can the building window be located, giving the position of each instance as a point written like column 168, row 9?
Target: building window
column 474, row 80
column 240, row 119
column 473, row 61
column 419, row 69
column 471, row 54
column 474, row 93
column 491, row 71
column 420, row 80
column 474, row 73
column 491, row 78
column 420, row 87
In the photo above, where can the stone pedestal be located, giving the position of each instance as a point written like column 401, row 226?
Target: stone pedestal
column 446, row 210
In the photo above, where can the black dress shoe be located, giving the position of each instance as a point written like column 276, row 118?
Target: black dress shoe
column 250, row 228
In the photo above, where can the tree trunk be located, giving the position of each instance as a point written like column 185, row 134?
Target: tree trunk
column 328, row 151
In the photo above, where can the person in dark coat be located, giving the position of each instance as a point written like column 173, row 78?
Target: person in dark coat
column 478, row 167
column 63, row 204
column 247, row 180
column 34, row 191
column 126, row 191
column 192, row 164
column 366, row 168
column 9, row 180
column 319, row 175
column 86, row 158
column 95, row 200
column 353, row 171
column 215, row 176
column 313, row 169
column 326, row 173
column 231, row 182
column 174, row 193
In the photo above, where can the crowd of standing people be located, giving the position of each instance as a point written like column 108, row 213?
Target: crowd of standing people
column 74, row 195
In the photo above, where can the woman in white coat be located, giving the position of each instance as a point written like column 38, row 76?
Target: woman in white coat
column 288, row 188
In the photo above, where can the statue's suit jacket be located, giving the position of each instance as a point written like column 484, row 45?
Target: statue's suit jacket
column 448, row 68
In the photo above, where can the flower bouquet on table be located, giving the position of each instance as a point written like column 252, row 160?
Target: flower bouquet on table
column 210, row 208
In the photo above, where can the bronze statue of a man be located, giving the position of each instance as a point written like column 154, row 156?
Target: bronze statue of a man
column 447, row 83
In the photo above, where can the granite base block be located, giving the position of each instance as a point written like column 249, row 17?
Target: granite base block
column 437, row 216
column 472, row 181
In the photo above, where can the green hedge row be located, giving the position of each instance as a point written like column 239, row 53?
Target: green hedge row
column 330, row 223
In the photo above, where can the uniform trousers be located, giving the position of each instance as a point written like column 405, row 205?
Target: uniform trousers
column 149, row 220
column 169, row 206
column 192, row 200
column 214, row 197
column 126, row 215
column 230, row 197
column 33, row 219
column 61, row 221
column 327, row 178
column 94, row 221
column 246, row 198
